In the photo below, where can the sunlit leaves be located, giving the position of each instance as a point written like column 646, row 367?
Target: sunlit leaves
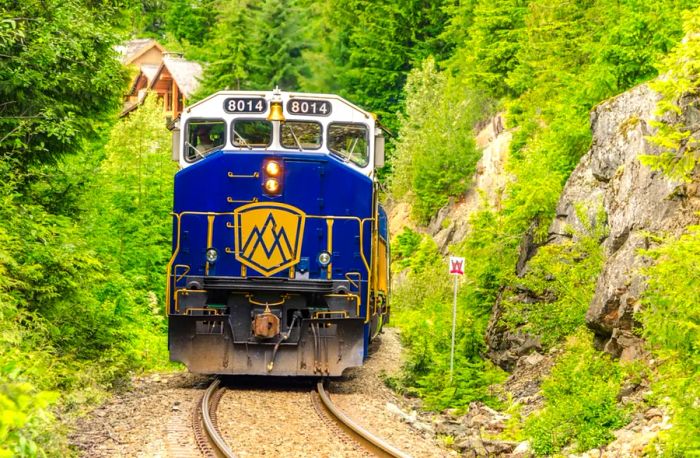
column 680, row 149
column 58, row 77
column 580, row 394
column 671, row 319
column 435, row 154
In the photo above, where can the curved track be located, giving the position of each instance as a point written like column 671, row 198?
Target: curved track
column 374, row 444
column 207, row 434
column 211, row 443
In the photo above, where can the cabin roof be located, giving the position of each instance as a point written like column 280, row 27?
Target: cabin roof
column 185, row 73
column 132, row 49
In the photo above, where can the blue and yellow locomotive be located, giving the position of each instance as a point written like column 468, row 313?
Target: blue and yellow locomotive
column 280, row 247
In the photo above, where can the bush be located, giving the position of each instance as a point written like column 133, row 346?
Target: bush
column 680, row 149
column 435, row 155
column 82, row 259
column 580, row 400
column 424, row 315
column 562, row 278
column 671, row 320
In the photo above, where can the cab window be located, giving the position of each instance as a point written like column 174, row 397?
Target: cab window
column 251, row 133
column 300, row 135
column 349, row 141
column 204, row 137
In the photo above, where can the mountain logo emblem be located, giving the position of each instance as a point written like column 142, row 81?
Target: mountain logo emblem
column 268, row 236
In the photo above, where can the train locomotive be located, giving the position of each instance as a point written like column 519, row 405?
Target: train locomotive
column 280, row 261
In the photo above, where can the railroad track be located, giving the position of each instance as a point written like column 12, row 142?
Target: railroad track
column 205, row 423
column 211, row 443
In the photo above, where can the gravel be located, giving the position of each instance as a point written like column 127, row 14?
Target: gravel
column 153, row 419
column 258, row 417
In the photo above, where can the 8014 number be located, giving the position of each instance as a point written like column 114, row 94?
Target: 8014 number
column 245, row 105
column 309, row 107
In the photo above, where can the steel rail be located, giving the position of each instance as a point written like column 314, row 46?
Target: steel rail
column 217, row 441
column 381, row 444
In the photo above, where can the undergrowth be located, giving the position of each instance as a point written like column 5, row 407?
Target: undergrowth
column 581, row 409
column 671, row 319
column 559, row 284
column 424, row 315
column 82, row 254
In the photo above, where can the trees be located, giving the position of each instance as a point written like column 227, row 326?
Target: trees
column 486, row 52
column 257, row 45
column 191, row 21
column 435, row 154
column 58, row 77
column 275, row 45
column 375, row 44
column 227, row 51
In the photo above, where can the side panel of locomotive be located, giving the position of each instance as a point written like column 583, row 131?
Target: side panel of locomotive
column 290, row 282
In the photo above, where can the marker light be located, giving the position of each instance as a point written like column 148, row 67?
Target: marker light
column 272, row 185
column 324, row 258
column 272, row 168
column 212, row 255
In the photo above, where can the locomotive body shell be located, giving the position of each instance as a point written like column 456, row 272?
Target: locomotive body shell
column 292, row 281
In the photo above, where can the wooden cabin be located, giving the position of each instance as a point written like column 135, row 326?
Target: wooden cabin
column 175, row 81
column 169, row 75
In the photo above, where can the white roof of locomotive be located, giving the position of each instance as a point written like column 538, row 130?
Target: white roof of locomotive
column 342, row 109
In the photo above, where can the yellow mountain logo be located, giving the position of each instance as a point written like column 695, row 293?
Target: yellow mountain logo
column 268, row 236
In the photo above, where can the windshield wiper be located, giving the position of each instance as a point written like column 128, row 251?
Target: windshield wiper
column 245, row 143
column 352, row 148
column 296, row 140
column 194, row 148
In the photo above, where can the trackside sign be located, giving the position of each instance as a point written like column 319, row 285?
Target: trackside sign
column 456, row 265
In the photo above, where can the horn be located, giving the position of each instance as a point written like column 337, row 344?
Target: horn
column 276, row 113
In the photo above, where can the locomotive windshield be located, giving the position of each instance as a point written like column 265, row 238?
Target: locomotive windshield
column 301, row 135
column 203, row 137
column 350, row 142
column 252, row 133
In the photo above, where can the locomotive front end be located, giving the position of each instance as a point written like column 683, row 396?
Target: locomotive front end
column 280, row 249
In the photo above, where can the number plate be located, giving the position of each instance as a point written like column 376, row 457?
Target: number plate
column 245, row 105
column 309, row 107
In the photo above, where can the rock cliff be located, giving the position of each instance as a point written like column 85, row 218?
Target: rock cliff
column 637, row 202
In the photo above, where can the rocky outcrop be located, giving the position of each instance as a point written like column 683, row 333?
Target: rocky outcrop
column 488, row 184
column 610, row 186
column 637, row 202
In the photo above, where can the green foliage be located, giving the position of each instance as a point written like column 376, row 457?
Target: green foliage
column 563, row 71
column 562, row 278
column 226, row 51
column 671, row 322
column 191, row 21
column 130, row 219
column 276, row 44
column 59, row 76
column 256, row 44
column 369, row 47
column 487, row 52
column 423, row 304
column 403, row 246
column 435, row 153
column 25, row 420
column 680, row 149
column 580, row 401
column 81, row 264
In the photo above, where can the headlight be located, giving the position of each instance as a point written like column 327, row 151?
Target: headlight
column 272, row 168
column 324, row 258
column 212, row 255
column 272, row 185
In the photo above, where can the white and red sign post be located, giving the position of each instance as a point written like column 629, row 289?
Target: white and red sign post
column 457, row 270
